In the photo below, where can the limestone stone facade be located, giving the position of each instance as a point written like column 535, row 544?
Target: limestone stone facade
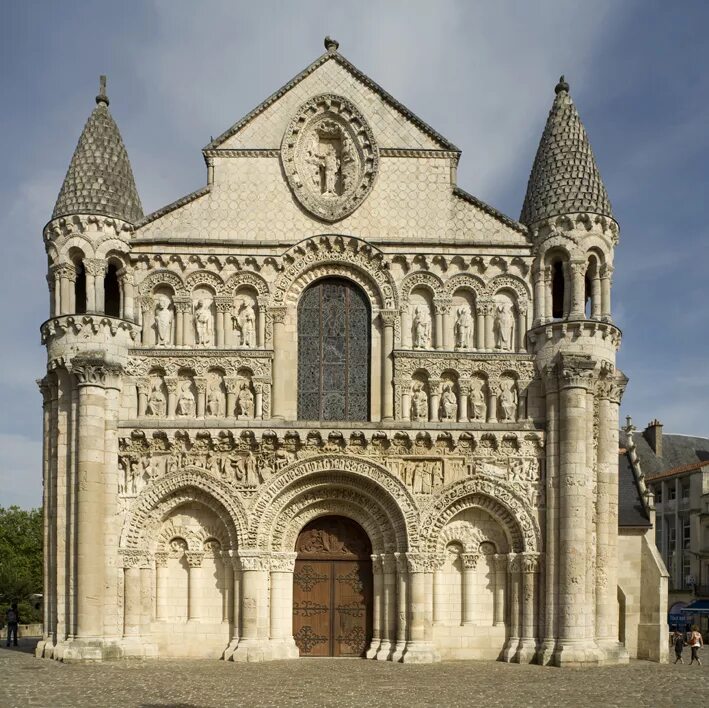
column 332, row 328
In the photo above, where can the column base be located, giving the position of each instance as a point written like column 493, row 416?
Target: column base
column 284, row 649
column 510, row 650
column 252, row 650
column 613, row 652
column 89, row 650
column 373, row 649
column 44, row 648
column 526, row 652
column 545, row 652
column 582, row 652
column 420, row 653
column 384, row 652
column 398, row 649
column 229, row 651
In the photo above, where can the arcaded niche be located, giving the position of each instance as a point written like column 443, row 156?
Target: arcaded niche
column 331, row 404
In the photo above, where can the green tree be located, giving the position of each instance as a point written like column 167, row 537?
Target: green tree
column 20, row 560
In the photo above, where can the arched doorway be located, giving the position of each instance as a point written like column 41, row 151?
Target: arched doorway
column 332, row 588
column 333, row 351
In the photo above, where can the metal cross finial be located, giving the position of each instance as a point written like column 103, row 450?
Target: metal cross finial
column 102, row 97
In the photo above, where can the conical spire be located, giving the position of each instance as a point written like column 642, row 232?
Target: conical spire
column 564, row 178
column 100, row 179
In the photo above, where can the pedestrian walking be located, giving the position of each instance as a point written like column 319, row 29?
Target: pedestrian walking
column 677, row 641
column 695, row 642
column 13, row 619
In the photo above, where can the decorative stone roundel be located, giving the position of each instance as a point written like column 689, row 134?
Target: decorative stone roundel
column 329, row 157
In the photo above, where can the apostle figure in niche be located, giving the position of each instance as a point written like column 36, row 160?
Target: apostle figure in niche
column 156, row 401
column 419, row 403
column 503, row 326
column 463, row 329
column 508, row 399
column 163, row 323
column 214, row 400
column 203, row 323
column 477, row 400
column 421, row 327
column 245, row 321
column 449, row 403
column 186, row 400
column 245, row 402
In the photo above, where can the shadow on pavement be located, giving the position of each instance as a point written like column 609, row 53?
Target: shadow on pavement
column 25, row 645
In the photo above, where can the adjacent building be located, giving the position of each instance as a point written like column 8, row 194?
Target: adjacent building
column 331, row 404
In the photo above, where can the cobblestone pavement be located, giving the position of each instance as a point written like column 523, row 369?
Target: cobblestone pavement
column 26, row 681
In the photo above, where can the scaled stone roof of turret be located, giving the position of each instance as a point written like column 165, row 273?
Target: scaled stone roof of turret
column 564, row 177
column 100, row 179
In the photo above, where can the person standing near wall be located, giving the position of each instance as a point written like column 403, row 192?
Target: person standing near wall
column 13, row 619
column 695, row 642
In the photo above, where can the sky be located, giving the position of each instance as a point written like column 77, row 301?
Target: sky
column 481, row 73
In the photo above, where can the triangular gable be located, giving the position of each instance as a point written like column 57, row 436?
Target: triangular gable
column 261, row 128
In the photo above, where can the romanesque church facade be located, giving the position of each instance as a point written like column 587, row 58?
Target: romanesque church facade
column 330, row 404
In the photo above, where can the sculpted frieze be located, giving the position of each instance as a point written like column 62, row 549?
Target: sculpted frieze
column 143, row 361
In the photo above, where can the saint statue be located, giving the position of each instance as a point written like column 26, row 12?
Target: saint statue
column 246, row 322
column 463, row 329
column 156, row 401
column 508, row 399
column 214, row 400
column 449, row 403
column 163, row 323
column 477, row 400
column 419, row 403
column 330, row 166
column 503, row 326
column 245, row 402
column 421, row 327
column 186, row 400
column 203, row 323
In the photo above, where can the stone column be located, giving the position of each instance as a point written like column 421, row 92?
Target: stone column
column 418, row 650
column 125, row 280
column 434, row 400
column 92, row 379
column 47, row 434
column 402, row 579
column 606, row 280
column 91, row 269
column 513, row 582
column 548, row 295
column 200, row 383
column 388, row 639
column 575, row 376
column 577, row 270
column 261, row 321
column 488, row 309
column 528, row 644
column 131, row 598
column 443, row 325
column 224, row 306
column 194, row 584
column 161, row 585
column 182, row 307
column 253, row 645
column 539, row 293
column 258, row 400
column 388, row 321
column 146, row 599
column 171, row 385
column 596, row 295
column 405, row 400
column 147, row 307
column 405, row 326
column 500, row 565
column 232, row 563
column 479, row 343
column 492, row 392
column 463, row 400
column 281, row 606
column 430, row 565
column 232, row 390
column 469, row 562
column 281, row 370
column 521, row 328
column 438, row 589
column 378, row 601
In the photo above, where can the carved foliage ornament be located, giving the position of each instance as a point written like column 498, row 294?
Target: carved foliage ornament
column 330, row 157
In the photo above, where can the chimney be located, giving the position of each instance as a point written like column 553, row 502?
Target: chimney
column 653, row 435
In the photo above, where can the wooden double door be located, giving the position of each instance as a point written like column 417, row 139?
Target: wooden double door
column 332, row 589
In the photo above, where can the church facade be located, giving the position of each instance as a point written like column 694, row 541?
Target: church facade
column 331, row 404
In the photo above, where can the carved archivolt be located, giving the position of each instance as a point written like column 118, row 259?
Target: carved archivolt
column 470, row 538
column 465, row 281
column 258, row 363
column 465, row 365
column 361, row 475
column 204, row 277
column 155, row 503
column 502, row 282
column 420, row 279
column 163, row 277
column 497, row 498
column 243, row 278
column 336, row 255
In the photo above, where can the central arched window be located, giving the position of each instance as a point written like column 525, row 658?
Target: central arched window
column 333, row 352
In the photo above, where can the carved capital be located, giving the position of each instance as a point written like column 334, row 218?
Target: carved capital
column 388, row 317
column 577, row 268
column 143, row 384
column 254, row 560
column 434, row 386
column 576, row 371
column 470, row 560
column 283, row 562
column 133, row 558
column 486, row 306
column 278, row 314
column 125, row 276
column 531, row 562
column 514, row 563
column 171, row 383
column 389, row 562
column 416, row 562
column 606, row 271
column 200, row 383
column 442, row 305
column 500, row 561
column 64, row 270
column 182, row 304
column 377, row 564
column 232, row 384
column 194, row 558
column 146, row 303
column 161, row 559
column 95, row 267
column 223, row 304
column 93, row 372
